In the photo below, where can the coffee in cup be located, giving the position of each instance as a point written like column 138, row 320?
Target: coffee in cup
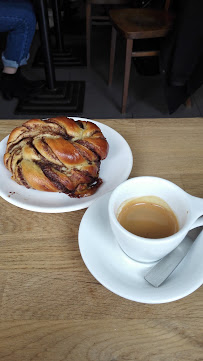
column 148, row 217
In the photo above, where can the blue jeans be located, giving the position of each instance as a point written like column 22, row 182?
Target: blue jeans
column 17, row 17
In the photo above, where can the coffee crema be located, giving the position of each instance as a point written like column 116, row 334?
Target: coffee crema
column 148, row 217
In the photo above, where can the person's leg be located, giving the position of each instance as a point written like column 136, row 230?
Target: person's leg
column 17, row 17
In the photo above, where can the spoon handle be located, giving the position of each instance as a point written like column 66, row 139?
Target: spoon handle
column 162, row 270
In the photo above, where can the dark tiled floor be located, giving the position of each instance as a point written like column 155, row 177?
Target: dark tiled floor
column 146, row 96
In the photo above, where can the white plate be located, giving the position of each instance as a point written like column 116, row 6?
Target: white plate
column 125, row 277
column 113, row 171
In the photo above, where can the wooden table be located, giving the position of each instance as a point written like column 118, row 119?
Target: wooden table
column 52, row 308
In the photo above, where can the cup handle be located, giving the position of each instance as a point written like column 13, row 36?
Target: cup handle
column 197, row 223
column 197, row 206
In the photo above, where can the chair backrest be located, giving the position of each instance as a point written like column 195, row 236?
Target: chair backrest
column 167, row 4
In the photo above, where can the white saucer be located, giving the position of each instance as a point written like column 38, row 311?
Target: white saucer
column 125, row 277
column 113, row 171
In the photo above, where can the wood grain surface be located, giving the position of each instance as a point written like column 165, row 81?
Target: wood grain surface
column 53, row 309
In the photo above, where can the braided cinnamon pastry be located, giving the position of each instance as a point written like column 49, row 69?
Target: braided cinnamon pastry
column 57, row 155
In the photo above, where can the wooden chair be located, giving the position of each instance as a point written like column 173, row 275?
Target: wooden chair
column 136, row 24
column 99, row 19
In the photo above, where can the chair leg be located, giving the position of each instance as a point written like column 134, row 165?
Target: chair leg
column 188, row 103
column 88, row 31
column 112, row 54
column 128, row 57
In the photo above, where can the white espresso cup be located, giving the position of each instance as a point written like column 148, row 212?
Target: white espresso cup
column 187, row 209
